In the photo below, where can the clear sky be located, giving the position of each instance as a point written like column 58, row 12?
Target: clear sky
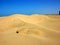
column 8, row 7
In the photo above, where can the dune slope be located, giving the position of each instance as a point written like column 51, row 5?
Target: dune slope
column 36, row 29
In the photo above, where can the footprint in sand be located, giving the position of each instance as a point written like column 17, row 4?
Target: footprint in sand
column 35, row 32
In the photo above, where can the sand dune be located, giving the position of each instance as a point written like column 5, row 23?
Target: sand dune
column 35, row 29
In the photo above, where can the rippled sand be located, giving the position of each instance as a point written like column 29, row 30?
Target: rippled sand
column 36, row 29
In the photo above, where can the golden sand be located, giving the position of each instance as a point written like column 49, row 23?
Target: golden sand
column 35, row 29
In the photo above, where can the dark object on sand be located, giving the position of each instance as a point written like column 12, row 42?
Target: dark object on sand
column 17, row 31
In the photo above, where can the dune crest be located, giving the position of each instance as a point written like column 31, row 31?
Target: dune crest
column 36, row 29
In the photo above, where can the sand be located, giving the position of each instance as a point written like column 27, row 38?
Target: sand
column 36, row 29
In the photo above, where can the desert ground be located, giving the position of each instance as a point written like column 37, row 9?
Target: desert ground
column 36, row 29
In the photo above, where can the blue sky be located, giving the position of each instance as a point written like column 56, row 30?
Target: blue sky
column 8, row 7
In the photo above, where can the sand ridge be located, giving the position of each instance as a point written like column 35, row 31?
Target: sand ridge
column 32, row 30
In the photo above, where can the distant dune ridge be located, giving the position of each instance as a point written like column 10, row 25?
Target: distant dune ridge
column 36, row 29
